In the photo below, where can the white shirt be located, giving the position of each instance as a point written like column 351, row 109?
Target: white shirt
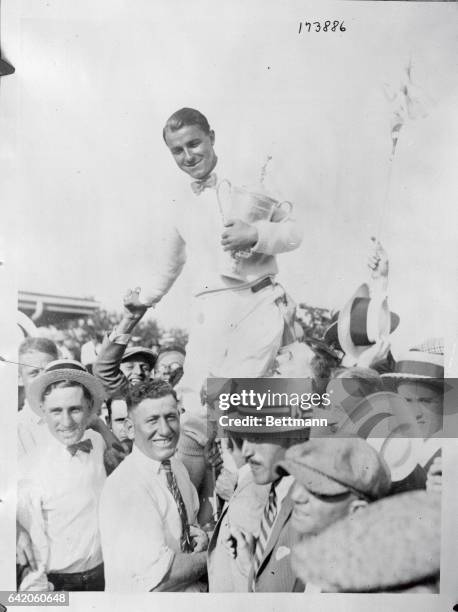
column 282, row 489
column 194, row 235
column 140, row 523
column 58, row 497
column 32, row 432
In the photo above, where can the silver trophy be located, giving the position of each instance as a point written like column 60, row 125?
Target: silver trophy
column 238, row 203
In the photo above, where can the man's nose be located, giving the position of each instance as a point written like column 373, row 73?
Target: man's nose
column 164, row 428
column 66, row 419
column 188, row 154
column 247, row 449
column 137, row 369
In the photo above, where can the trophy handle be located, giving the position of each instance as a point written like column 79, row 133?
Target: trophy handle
column 223, row 195
column 287, row 207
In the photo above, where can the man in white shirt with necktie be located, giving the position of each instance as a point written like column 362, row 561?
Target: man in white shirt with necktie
column 60, row 485
column 149, row 505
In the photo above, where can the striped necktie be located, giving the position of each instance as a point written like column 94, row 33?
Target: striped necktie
column 267, row 521
column 186, row 544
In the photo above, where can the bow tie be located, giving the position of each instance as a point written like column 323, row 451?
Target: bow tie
column 199, row 186
column 83, row 445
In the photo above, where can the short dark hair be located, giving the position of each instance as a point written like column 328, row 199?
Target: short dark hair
column 65, row 384
column 150, row 389
column 184, row 117
column 39, row 345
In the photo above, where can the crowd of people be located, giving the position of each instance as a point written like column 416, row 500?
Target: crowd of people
column 129, row 482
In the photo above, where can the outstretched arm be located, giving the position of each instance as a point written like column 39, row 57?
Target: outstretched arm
column 107, row 365
column 379, row 266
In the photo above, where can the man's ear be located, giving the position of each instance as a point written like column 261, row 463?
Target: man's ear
column 129, row 428
column 357, row 504
column 212, row 136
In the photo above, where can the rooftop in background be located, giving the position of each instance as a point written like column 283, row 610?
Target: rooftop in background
column 46, row 309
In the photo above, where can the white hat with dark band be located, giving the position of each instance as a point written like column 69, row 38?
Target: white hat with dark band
column 360, row 323
column 66, row 369
column 422, row 362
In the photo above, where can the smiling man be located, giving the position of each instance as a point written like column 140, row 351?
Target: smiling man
column 59, row 491
column 159, row 547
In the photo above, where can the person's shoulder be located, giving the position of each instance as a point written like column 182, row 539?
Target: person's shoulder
column 97, row 440
column 123, row 474
column 38, row 464
column 179, row 468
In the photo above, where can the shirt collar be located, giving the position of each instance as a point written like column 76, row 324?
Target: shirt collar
column 283, row 487
column 146, row 463
column 54, row 445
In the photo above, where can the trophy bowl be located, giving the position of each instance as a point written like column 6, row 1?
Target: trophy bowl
column 248, row 206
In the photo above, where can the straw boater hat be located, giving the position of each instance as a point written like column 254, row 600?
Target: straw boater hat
column 360, row 323
column 66, row 369
column 391, row 545
column 421, row 362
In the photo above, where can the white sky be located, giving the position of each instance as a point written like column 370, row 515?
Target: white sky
column 86, row 168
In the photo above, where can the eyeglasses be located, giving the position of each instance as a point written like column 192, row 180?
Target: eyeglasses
column 168, row 367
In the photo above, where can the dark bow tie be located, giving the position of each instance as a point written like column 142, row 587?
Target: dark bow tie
column 199, row 186
column 83, row 445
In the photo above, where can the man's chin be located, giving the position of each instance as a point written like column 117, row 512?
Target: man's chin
column 164, row 451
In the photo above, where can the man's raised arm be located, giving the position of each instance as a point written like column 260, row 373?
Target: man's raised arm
column 107, row 365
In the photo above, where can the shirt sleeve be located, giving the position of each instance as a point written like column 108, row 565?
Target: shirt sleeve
column 30, row 518
column 136, row 556
column 107, row 366
column 171, row 257
column 282, row 234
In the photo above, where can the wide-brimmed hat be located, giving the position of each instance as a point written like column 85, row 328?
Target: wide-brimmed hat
column 337, row 465
column 421, row 362
column 392, row 544
column 146, row 353
column 363, row 321
column 360, row 323
column 66, row 369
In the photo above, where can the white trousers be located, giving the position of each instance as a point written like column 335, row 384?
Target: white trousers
column 233, row 334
